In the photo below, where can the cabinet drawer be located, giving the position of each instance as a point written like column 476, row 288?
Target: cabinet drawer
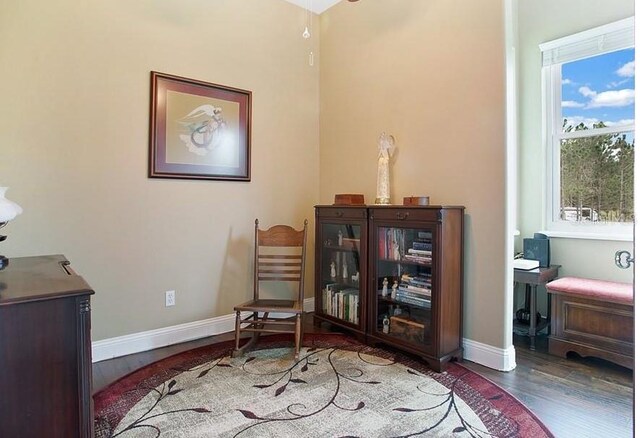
column 405, row 214
column 341, row 213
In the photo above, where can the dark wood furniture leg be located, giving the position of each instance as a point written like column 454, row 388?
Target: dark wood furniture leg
column 548, row 312
column 533, row 313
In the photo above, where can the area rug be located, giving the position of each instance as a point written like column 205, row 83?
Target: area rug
column 337, row 388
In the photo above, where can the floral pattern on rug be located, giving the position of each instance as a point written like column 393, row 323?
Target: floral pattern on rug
column 341, row 390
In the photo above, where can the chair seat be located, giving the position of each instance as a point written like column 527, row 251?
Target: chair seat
column 270, row 305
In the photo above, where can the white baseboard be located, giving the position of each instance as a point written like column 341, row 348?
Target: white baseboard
column 501, row 359
column 148, row 340
column 487, row 355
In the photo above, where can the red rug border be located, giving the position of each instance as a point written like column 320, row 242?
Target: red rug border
column 482, row 384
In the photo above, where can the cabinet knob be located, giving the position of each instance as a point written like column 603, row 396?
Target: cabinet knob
column 339, row 214
column 402, row 215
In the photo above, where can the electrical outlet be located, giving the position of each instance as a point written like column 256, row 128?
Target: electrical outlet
column 170, row 298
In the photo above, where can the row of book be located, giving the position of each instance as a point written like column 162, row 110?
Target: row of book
column 391, row 243
column 421, row 248
column 343, row 304
column 415, row 289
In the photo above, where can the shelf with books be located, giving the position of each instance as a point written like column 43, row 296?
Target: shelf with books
column 421, row 303
column 341, row 267
column 411, row 306
column 405, row 246
column 342, row 303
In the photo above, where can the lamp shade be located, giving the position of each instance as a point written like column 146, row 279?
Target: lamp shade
column 8, row 209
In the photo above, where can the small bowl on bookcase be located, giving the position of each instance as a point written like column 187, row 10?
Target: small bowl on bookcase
column 416, row 200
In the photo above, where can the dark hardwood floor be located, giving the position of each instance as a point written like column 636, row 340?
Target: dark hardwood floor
column 573, row 397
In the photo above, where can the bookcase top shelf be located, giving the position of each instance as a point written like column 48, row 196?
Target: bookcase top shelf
column 416, row 207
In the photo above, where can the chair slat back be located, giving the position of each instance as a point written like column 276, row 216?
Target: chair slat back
column 281, row 235
column 280, row 254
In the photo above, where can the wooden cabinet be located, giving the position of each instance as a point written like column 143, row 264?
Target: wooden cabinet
column 410, row 271
column 341, row 267
column 45, row 350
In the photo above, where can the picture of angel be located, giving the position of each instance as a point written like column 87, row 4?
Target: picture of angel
column 199, row 130
column 205, row 128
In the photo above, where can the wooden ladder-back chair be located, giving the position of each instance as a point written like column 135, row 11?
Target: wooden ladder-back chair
column 280, row 254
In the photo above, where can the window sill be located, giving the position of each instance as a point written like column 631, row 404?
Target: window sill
column 615, row 237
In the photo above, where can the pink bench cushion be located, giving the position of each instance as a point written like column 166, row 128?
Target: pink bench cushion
column 596, row 289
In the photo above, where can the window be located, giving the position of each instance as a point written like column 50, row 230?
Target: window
column 589, row 94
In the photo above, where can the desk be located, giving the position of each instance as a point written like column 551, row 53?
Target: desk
column 45, row 350
column 532, row 279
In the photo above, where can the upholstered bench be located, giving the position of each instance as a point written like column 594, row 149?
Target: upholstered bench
column 592, row 318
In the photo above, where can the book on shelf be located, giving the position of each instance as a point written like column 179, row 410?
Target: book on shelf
column 422, row 282
column 422, row 246
column 343, row 304
column 413, row 294
column 414, row 290
column 420, row 252
column 419, row 302
column 425, row 260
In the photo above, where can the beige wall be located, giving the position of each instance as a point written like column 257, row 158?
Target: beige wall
column 74, row 112
column 432, row 74
column 540, row 21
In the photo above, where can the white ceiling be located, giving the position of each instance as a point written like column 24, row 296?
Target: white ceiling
column 317, row 6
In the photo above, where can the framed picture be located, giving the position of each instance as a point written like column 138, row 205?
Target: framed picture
column 199, row 130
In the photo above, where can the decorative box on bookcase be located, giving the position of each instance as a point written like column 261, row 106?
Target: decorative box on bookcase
column 419, row 251
column 341, row 267
column 410, row 261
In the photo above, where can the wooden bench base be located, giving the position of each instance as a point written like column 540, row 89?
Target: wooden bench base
column 591, row 327
column 560, row 347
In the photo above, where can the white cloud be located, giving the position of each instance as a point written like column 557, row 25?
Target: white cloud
column 590, row 121
column 575, row 121
column 621, row 122
column 572, row 104
column 614, row 98
column 628, row 70
column 615, row 84
column 587, row 92
column 567, row 81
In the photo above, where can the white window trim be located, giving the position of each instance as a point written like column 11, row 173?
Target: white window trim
column 604, row 39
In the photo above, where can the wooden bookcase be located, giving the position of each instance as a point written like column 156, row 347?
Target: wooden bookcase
column 341, row 267
column 419, row 251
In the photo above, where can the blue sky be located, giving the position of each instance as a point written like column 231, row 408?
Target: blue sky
column 600, row 88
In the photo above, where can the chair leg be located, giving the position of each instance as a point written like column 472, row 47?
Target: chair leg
column 298, row 335
column 236, row 352
column 239, row 351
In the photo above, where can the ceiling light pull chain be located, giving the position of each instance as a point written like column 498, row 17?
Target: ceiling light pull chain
column 308, row 29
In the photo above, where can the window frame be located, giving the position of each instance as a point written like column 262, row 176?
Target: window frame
column 572, row 48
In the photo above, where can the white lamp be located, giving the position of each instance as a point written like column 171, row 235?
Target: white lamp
column 8, row 211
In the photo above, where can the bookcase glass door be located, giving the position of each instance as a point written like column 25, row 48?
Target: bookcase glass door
column 340, row 272
column 403, row 275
